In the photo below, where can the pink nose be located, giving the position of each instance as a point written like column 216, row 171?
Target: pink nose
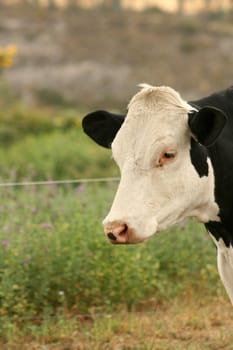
column 117, row 232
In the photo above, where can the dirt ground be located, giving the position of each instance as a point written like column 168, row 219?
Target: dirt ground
column 97, row 58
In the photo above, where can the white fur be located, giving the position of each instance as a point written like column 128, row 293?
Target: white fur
column 225, row 265
column 151, row 198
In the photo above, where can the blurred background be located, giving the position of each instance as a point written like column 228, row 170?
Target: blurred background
column 61, row 283
column 93, row 53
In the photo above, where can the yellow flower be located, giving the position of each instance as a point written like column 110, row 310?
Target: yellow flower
column 6, row 56
column 6, row 62
column 11, row 50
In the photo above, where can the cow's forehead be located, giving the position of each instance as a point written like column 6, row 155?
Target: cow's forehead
column 161, row 106
column 159, row 97
column 154, row 114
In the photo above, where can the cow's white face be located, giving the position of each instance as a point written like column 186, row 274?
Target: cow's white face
column 159, row 185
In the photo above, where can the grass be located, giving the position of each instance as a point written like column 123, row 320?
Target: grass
column 191, row 324
column 178, row 326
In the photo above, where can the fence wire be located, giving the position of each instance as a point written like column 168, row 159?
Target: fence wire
column 59, row 182
column 76, row 316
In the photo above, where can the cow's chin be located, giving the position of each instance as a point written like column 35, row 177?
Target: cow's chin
column 140, row 237
column 134, row 238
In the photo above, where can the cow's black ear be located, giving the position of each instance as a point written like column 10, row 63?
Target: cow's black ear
column 102, row 126
column 207, row 124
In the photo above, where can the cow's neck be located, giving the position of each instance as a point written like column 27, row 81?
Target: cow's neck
column 222, row 161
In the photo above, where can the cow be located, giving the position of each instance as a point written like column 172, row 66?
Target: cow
column 176, row 161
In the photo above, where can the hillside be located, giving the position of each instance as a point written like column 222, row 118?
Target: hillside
column 97, row 58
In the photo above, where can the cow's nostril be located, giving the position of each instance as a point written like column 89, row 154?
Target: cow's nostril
column 123, row 230
column 111, row 236
column 117, row 232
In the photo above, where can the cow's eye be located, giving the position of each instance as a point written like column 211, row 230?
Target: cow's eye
column 166, row 156
column 169, row 155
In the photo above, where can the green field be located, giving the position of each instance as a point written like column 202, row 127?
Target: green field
column 53, row 254
column 56, row 265
column 63, row 286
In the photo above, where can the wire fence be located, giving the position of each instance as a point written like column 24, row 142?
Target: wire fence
column 59, row 182
column 80, row 316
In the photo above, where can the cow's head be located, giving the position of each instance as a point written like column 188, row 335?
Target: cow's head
column 161, row 148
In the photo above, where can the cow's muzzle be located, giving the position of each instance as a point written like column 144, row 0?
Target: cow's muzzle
column 118, row 233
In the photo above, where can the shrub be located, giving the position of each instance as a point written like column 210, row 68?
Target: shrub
column 59, row 155
column 52, row 97
column 154, row 9
column 21, row 122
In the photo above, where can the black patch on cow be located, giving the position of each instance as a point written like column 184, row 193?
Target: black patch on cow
column 198, row 155
column 218, row 230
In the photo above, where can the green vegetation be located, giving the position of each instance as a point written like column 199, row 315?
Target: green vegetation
column 53, row 254
column 54, row 259
column 18, row 121
column 57, row 155
column 62, row 286
column 40, row 144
